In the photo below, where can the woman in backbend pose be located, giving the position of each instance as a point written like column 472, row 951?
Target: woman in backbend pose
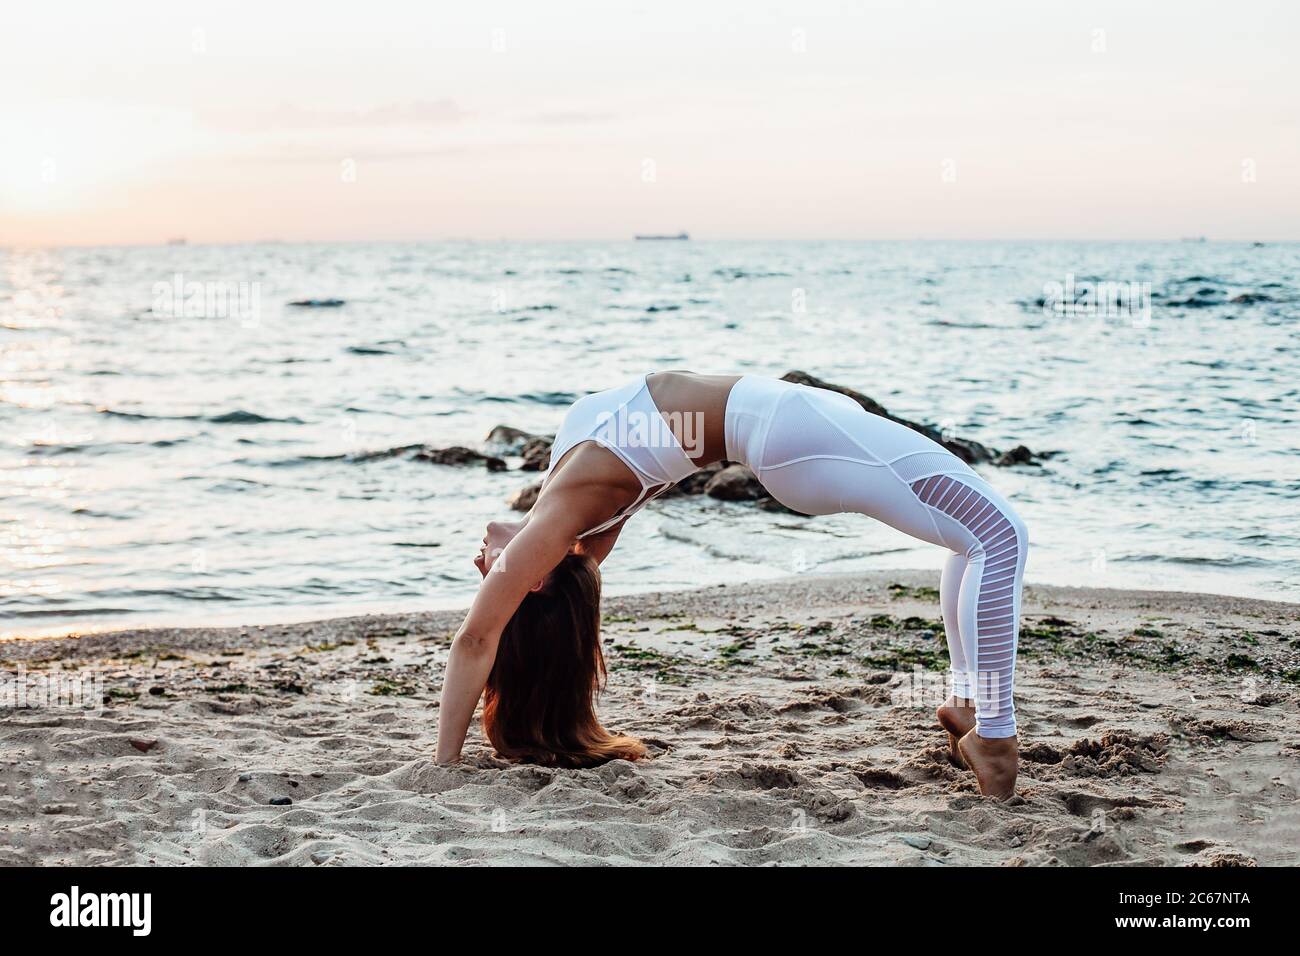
column 532, row 637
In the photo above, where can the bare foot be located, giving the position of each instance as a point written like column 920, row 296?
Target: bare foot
column 957, row 716
column 994, row 760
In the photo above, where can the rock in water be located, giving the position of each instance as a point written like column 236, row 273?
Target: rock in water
column 968, row 450
column 735, row 483
column 696, row 483
column 1020, row 455
column 507, row 440
column 870, row 404
column 536, row 453
column 525, row 498
column 459, row 455
column 728, row 481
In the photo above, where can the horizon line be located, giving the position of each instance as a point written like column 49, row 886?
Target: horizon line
column 185, row 243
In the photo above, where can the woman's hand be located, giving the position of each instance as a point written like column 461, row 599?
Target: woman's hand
column 538, row 547
column 468, row 667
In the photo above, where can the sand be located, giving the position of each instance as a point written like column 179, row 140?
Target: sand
column 789, row 723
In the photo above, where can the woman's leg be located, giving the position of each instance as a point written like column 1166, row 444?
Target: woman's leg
column 988, row 616
column 821, row 454
column 960, row 680
column 990, row 593
column 957, row 713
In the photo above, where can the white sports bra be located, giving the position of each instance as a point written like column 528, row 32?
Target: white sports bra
column 627, row 421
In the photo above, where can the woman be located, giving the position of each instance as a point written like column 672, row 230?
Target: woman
column 531, row 638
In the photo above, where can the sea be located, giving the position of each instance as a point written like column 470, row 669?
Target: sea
column 181, row 445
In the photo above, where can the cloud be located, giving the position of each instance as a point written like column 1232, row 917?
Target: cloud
column 421, row 113
column 324, row 154
column 568, row 118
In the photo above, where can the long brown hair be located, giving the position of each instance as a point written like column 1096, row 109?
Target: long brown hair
column 539, row 704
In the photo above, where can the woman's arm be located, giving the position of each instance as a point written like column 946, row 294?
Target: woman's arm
column 600, row 545
column 520, row 568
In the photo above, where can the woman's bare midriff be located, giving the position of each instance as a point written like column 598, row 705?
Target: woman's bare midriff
column 695, row 407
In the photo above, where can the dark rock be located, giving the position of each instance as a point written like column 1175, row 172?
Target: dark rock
column 459, row 455
column 1020, row 455
column 728, row 481
column 1250, row 298
column 281, row 801
column 870, row 404
column 968, row 450
column 383, row 453
column 507, row 440
column 696, row 483
column 525, row 498
column 245, row 777
column 142, row 745
column 771, row 504
column 536, row 453
column 735, row 483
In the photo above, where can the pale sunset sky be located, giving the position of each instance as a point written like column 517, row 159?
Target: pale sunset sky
column 234, row 121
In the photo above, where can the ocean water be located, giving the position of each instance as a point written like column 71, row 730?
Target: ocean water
column 202, row 458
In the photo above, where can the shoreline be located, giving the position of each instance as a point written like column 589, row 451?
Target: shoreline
column 114, row 636
column 787, row 722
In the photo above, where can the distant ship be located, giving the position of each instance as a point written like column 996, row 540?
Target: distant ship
column 680, row 235
column 178, row 241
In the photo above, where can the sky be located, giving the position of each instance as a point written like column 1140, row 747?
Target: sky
column 224, row 122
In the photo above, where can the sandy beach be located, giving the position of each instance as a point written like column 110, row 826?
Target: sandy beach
column 788, row 723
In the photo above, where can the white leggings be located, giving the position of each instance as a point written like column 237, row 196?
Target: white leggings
column 819, row 452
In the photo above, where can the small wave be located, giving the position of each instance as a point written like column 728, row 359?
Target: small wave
column 1235, row 561
column 49, row 449
column 142, row 416
column 541, row 398
column 92, row 513
column 544, row 307
column 950, row 324
column 229, row 484
column 288, row 462
column 65, row 611
column 241, row 417
column 367, row 350
column 744, row 274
